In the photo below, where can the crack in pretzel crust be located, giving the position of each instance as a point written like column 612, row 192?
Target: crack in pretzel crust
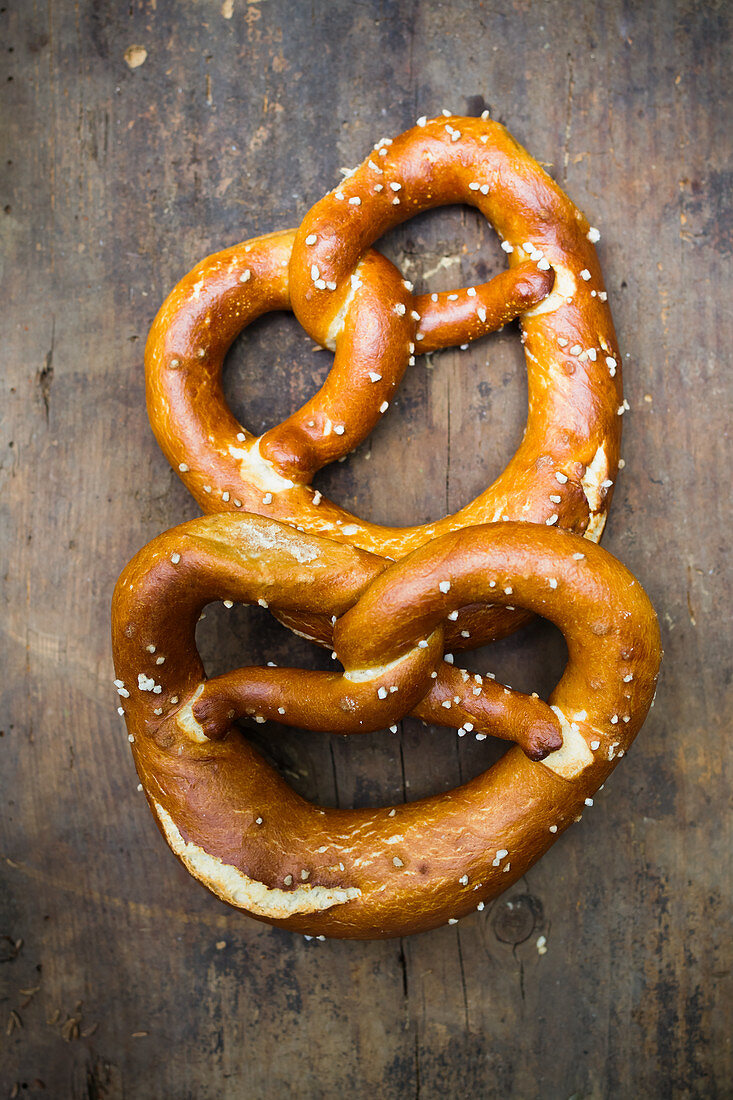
column 243, row 892
column 574, row 755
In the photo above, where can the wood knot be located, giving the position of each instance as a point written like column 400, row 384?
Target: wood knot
column 516, row 918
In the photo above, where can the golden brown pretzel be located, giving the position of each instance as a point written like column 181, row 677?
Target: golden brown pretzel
column 244, row 833
column 352, row 299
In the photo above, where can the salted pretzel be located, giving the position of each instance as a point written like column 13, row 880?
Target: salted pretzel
column 244, row 833
column 351, row 299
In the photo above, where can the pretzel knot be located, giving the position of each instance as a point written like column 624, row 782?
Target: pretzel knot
column 351, row 299
column 240, row 829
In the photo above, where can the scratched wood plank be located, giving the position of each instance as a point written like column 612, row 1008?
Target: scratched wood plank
column 114, row 181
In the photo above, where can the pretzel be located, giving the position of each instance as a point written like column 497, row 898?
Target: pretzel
column 242, row 831
column 351, row 299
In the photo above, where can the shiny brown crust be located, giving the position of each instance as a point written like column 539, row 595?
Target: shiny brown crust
column 244, row 833
column 350, row 298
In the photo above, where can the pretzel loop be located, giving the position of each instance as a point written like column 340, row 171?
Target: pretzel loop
column 359, row 873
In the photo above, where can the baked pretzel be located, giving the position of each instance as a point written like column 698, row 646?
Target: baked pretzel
column 351, row 299
column 239, row 828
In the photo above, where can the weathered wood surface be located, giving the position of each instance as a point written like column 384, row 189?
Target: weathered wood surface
column 114, row 182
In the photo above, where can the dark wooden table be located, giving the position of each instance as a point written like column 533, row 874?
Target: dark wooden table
column 120, row 976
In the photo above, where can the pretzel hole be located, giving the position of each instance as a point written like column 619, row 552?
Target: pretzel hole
column 532, row 659
column 455, row 422
column 231, row 637
column 444, row 248
column 271, row 370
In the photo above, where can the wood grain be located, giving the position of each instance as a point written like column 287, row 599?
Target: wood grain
column 115, row 181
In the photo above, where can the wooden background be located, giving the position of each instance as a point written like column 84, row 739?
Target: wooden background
column 120, row 976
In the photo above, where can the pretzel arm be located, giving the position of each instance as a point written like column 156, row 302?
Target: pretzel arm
column 370, row 335
column 322, row 701
column 455, row 317
column 480, row 705
column 489, row 707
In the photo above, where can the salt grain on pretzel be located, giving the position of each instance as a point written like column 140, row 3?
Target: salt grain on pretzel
column 351, row 299
column 242, row 831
